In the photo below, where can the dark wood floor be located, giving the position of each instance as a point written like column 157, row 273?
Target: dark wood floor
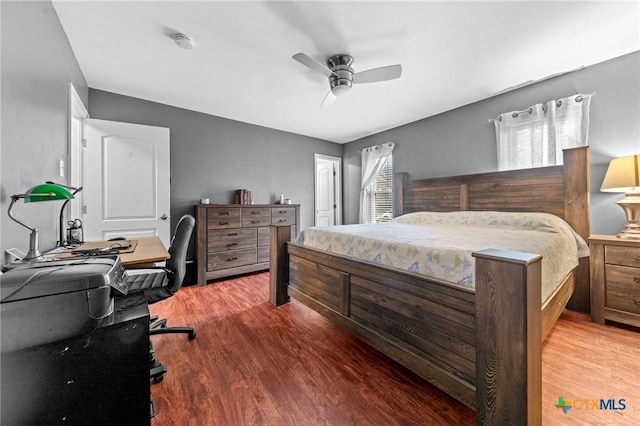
column 254, row 364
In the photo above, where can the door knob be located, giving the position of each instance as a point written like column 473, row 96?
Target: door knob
column 164, row 217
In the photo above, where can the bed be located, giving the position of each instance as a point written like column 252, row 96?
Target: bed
column 480, row 344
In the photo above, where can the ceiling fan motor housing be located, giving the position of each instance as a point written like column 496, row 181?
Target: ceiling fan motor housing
column 342, row 77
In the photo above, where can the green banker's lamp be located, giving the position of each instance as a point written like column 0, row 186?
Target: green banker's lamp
column 44, row 192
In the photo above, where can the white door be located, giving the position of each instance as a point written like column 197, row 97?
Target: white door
column 126, row 181
column 327, row 172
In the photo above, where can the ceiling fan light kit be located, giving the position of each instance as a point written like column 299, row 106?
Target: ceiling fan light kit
column 341, row 74
column 341, row 79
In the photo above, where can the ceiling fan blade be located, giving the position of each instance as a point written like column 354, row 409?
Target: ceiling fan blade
column 389, row 72
column 329, row 99
column 308, row 61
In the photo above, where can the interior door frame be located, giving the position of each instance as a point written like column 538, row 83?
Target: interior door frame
column 77, row 113
column 337, row 182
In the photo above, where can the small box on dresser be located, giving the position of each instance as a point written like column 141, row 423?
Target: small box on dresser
column 615, row 279
column 233, row 239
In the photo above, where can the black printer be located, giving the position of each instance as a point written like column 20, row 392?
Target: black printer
column 44, row 302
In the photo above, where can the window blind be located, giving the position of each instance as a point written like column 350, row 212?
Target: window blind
column 380, row 194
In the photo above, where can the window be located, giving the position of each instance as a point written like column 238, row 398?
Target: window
column 535, row 137
column 376, row 198
column 380, row 195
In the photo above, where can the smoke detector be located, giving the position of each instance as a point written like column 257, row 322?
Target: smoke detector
column 184, row 41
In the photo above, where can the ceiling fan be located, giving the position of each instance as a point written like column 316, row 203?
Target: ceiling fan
column 341, row 75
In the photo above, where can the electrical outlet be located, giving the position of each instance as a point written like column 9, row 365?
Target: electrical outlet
column 61, row 167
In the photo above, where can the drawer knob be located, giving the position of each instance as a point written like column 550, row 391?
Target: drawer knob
column 636, row 301
column 232, row 244
column 636, row 279
column 255, row 212
column 282, row 211
column 232, row 234
column 224, row 213
column 283, row 220
column 255, row 221
column 224, row 223
column 231, row 259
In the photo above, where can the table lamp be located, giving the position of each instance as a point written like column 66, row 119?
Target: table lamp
column 61, row 240
column 623, row 175
column 44, row 192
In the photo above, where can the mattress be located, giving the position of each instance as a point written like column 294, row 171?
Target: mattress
column 439, row 245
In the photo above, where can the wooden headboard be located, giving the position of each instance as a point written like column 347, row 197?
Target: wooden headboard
column 559, row 190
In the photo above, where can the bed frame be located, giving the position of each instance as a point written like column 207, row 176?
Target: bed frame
column 483, row 347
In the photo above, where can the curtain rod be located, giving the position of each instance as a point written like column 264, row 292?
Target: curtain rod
column 515, row 114
column 381, row 145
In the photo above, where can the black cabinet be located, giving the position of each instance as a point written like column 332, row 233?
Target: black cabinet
column 98, row 378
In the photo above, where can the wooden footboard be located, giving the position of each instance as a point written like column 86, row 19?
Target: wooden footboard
column 483, row 348
column 508, row 338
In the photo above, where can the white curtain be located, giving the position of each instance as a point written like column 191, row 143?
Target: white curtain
column 373, row 158
column 536, row 136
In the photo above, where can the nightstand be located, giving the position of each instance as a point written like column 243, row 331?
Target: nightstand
column 615, row 279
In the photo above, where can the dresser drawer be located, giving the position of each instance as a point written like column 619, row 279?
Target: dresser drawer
column 223, row 217
column 256, row 211
column 231, row 259
column 283, row 212
column 263, row 236
column 283, row 220
column 231, row 239
column 619, row 255
column 255, row 220
column 263, row 254
column 623, row 288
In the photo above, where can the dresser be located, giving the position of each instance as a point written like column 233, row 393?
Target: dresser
column 233, row 239
column 615, row 279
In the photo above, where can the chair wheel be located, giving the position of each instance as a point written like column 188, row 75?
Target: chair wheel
column 192, row 335
column 157, row 371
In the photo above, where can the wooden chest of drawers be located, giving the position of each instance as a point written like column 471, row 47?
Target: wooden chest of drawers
column 233, row 239
column 615, row 279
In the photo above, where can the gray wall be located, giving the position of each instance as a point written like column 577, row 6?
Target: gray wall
column 213, row 156
column 37, row 65
column 462, row 141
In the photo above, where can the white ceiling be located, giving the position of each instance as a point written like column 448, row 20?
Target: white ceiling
column 452, row 53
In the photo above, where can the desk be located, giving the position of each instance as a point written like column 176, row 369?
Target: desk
column 147, row 250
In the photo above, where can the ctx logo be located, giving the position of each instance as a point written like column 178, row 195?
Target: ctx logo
column 591, row 404
column 564, row 405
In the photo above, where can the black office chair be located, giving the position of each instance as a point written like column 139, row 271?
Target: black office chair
column 163, row 282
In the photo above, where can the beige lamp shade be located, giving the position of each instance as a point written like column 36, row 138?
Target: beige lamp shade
column 623, row 175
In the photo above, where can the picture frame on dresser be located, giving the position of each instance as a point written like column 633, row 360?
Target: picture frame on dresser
column 233, row 239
